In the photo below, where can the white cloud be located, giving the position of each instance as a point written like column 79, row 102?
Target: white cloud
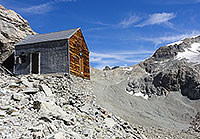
column 43, row 8
column 129, row 21
column 100, row 60
column 125, row 23
column 170, row 39
column 158, row 18
column 96, row 29
column 38, row 9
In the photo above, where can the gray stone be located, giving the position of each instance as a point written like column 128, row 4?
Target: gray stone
column 37, row 105
column 17, row 96
column 24, row 100
column 109, row 122
column 86, row 132
column 59, row 135
column 75, row 135
column 26, row 82
column 14, row 85
column 2, row 114
column 51, row 109
column 10, row 111
column 85, row 108
column 46, row 90
column 30, row 91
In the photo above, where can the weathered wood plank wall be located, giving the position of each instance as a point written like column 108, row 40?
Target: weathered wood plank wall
column 79, row 56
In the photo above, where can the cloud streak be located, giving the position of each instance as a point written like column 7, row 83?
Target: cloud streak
column 169, row 39
column 132, row 20
column 100, row 60
column 129, row 21
column 158, row 18
column 43, row 8
column 38, row 9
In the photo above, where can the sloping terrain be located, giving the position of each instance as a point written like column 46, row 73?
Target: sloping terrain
column 57, row 107
column 162, row 91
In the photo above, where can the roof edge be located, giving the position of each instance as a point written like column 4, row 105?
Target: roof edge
column 39, row 42
column 18, row 43
column 74, row 32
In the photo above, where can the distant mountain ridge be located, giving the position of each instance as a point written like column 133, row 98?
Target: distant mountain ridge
column 174, row 67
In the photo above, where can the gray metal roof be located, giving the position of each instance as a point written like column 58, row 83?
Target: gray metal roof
column 61, row 35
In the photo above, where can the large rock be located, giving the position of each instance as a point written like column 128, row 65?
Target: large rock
column 12, row 29
column 46, row 90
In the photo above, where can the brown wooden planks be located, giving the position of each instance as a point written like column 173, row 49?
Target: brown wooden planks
column 79, row 56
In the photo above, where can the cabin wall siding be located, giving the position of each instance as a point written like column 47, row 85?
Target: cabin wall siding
column 78, row 53
column 53, row 57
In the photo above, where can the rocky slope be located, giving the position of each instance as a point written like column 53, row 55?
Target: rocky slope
column 12, row 28
column 56, row 106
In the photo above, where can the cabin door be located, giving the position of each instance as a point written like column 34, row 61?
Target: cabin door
column 35, row 63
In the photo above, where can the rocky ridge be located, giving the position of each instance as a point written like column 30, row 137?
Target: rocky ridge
column 166, row 71
column 12, row 29
column 56, row 106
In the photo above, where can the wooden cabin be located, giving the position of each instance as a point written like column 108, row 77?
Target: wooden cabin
column 57, row 52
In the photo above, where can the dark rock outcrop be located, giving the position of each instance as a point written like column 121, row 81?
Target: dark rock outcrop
column 106, row 68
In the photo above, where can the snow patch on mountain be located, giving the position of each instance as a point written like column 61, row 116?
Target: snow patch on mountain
column 139, row 94
column 128, row 69
column 191, row 54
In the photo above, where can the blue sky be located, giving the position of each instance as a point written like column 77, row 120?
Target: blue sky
column 117, row 32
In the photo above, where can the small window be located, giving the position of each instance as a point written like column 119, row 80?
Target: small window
column 18, row 60
column 23, row 57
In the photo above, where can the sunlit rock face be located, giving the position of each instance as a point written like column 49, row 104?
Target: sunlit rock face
column 174, row 67
column 12, row 29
